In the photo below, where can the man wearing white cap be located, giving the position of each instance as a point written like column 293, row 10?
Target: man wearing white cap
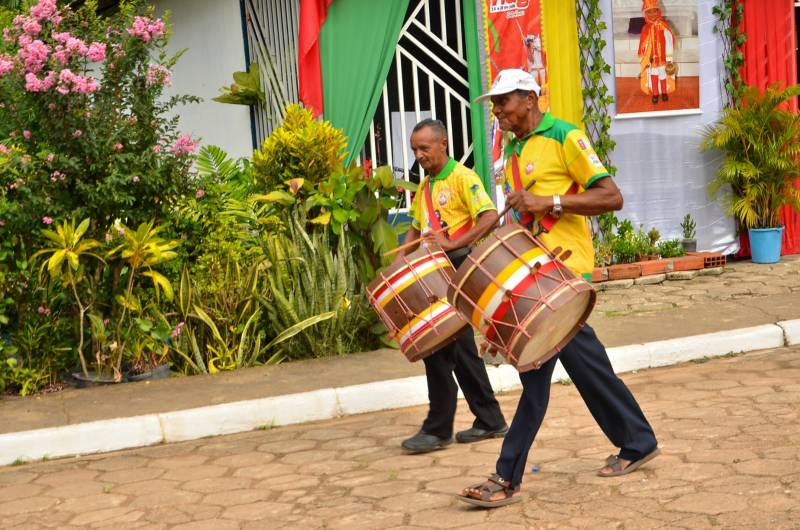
column 570, row 183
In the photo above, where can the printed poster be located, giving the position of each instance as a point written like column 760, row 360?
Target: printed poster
column 656, row 56
column 514, row 39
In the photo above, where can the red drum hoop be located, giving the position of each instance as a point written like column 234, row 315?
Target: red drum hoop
column 410, row 298
column 521, row 297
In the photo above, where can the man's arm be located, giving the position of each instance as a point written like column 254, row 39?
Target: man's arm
column 482, row 224
column 604, row 196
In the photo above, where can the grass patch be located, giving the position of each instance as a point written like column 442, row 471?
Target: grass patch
column 18, row 462
column 565, row 381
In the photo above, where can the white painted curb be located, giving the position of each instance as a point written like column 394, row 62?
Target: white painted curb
column 229, row 418
column 791, row 331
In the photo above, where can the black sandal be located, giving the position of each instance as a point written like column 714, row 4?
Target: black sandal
column 487, row 489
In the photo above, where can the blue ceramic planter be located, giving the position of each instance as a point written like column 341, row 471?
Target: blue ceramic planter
column 765, row 244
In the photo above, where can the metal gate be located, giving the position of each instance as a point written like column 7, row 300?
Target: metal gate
column 272, row 29
column 428, row 78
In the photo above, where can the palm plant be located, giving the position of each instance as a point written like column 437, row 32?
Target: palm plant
column 761, row 143
column 66, row 263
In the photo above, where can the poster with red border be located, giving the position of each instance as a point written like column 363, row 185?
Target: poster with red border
column 514, row 39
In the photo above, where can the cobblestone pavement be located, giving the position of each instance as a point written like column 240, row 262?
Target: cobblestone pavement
column 728, row 429
column 741, row 280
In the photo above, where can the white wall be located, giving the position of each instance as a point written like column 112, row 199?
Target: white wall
column 660, row 169
column 212, row 32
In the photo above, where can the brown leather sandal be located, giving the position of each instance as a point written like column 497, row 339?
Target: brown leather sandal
column 613, row 461
column 487, row 489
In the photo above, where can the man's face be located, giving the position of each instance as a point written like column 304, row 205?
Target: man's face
column 512, row 109
column 430, row 149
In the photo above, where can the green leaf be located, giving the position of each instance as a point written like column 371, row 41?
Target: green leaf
column 300, row 326
column 278, row 196
column 159, row 280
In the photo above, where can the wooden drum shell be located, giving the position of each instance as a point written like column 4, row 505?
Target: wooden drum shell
column 526, row 303
column 410, row 298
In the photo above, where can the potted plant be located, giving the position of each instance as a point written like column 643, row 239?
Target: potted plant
column 761, row 143
column 688, row 225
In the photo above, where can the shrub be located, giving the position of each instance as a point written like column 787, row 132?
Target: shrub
column 672, row 248
column 301, row 148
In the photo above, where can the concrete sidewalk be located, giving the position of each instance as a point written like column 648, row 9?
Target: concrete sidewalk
column 644, row 325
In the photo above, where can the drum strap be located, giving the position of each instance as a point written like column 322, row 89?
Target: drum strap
column 433, row 221
column 547, row 222
column 436, row 225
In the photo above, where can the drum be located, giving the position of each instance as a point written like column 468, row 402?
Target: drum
column 410, row 298
column 521, row 297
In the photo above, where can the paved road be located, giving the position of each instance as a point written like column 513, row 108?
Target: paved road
column 729, row 430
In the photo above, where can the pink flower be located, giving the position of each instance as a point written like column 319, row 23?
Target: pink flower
column 13, row 134
column 7, row 35
column 51, row 157
column 24, row 40
column 77, row 46
column 156, row 149
column 146, row 28
column 77, row 133
column 45, row 9
column 183, row 145
column 47, row 220
column 158, row 74
column 32, row 27
column 135, row 178
column 56, row 176
column 6, row 64
column 177, row 330
column 4, row 150
column 43, row 310
column 27, row 134
column 118, row 147
column 34, row 55
column 97, row 52
column 200, row 193
column 61, row 55
column 60, row 37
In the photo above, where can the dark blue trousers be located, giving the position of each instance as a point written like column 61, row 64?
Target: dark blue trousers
column 611, row 403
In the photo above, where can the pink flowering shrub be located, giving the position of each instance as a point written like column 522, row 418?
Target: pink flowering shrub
column 82, row 112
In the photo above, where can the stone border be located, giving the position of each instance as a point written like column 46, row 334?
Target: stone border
column 328, row 403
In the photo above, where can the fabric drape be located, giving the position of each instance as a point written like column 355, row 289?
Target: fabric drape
column 563, row 60
column 357, row 45
column 769, row 54
column 480, row 148
column 312, row 16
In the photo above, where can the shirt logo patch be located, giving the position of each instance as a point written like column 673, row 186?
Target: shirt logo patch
column 443, row 197
column 529, row 168
column 582, row 144
column 595, row 160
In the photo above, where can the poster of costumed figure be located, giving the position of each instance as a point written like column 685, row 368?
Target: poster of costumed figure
column 656, row 56
column 514, row 39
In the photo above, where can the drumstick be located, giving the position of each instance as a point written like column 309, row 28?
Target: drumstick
column 502, row 213
column 411, row 243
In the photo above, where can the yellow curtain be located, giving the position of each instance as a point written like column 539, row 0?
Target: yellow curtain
column 563, row 63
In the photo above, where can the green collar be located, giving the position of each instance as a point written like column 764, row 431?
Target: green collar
column 445, row 172
column 515, row 145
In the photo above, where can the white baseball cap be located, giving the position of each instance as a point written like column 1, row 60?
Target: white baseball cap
column 509, row 81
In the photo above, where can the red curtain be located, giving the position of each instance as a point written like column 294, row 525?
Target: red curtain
column 312, row 15
column 769, row 57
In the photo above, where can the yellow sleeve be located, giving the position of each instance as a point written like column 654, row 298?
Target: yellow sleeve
column 415, row 212
column 473, row 195
column 583, row 163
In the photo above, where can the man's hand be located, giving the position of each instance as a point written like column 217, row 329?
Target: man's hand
column 526, row 202
column 439, row 239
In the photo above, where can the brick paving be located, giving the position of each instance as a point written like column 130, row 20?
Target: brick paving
column 728, row 429
column 740, row 280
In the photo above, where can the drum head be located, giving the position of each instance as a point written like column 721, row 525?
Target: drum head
column 553, row 330
column 441, row 334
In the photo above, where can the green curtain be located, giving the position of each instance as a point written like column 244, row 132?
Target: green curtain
column 357, row 45
column 479, row 144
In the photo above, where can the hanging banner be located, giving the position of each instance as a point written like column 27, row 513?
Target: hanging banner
column 656, row 56
column 514, row 39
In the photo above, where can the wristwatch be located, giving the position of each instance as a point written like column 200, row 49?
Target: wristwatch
column 557, row 208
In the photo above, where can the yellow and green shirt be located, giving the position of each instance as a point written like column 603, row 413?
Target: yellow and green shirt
column 557, row 154
column 457, row 196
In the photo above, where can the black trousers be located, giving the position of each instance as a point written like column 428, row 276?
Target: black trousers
column 460, row 357
column 611, row 403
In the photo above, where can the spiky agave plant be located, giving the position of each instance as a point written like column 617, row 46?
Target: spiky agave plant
column 761, row 144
